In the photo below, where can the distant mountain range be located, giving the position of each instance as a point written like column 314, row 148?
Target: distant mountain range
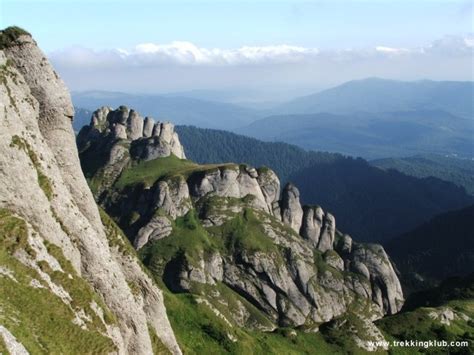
column 178, row 109
column 371, row 118
column 375, row 95
column 372, row 204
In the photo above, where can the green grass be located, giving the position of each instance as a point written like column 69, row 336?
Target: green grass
column 188, row 239
column 13, row 233
column 35, row 316
column 199, row 331
column 3, row 347
column 115, row 236
column 322, row 266
column 341, row 331
column 147, row 172
column 227, row 302
column 245, row 232
column 193, row 242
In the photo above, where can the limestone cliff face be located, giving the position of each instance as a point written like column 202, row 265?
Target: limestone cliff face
column 43, row 189
column 287, row 260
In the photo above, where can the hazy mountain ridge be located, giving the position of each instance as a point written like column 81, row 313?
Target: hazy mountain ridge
column 371, row 135
column 182, row 110
column 374, row 95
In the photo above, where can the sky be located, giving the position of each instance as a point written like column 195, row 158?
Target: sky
column 258, row 46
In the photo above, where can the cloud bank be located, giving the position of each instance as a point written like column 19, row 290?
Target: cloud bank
column 185, row 66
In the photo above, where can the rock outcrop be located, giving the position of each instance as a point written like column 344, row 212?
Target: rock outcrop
column 44, row 193
column 115, row 138
column 150, row 139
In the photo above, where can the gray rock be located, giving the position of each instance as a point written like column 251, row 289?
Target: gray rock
column 228, row 181
column 333, row 259
column 153, row 148
column 172, row 197
column 291, row 210
column 156, row 129
column 346, row 244
column 312, row 223
column 120, row 131
column 148, row 127
column 270, row 185
column 386, row 288
column 159, row 227
column 99, row 118
column 326, row 240
column 166, row 132
column 134, row 125
column 176, row 147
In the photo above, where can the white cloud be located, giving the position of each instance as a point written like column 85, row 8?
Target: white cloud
column 391, row 50
column 185, row 66
column 186, row 53
column 189, row 54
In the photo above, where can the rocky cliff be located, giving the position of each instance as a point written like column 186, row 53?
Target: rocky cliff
column 215, row 230
column 67, row 282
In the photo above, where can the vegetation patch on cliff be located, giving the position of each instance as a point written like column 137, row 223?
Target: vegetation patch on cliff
column 38, row 318
column 9, row 36
column 199, row 330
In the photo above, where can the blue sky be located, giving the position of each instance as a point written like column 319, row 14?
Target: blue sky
column 227, row 23
column 162, row 46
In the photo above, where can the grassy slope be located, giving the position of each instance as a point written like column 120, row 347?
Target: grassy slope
column 199, row 330
column 147, row 172
column 35, row 316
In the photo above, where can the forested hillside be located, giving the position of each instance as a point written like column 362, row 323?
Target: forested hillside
column 458, row 171
column 442, row 247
